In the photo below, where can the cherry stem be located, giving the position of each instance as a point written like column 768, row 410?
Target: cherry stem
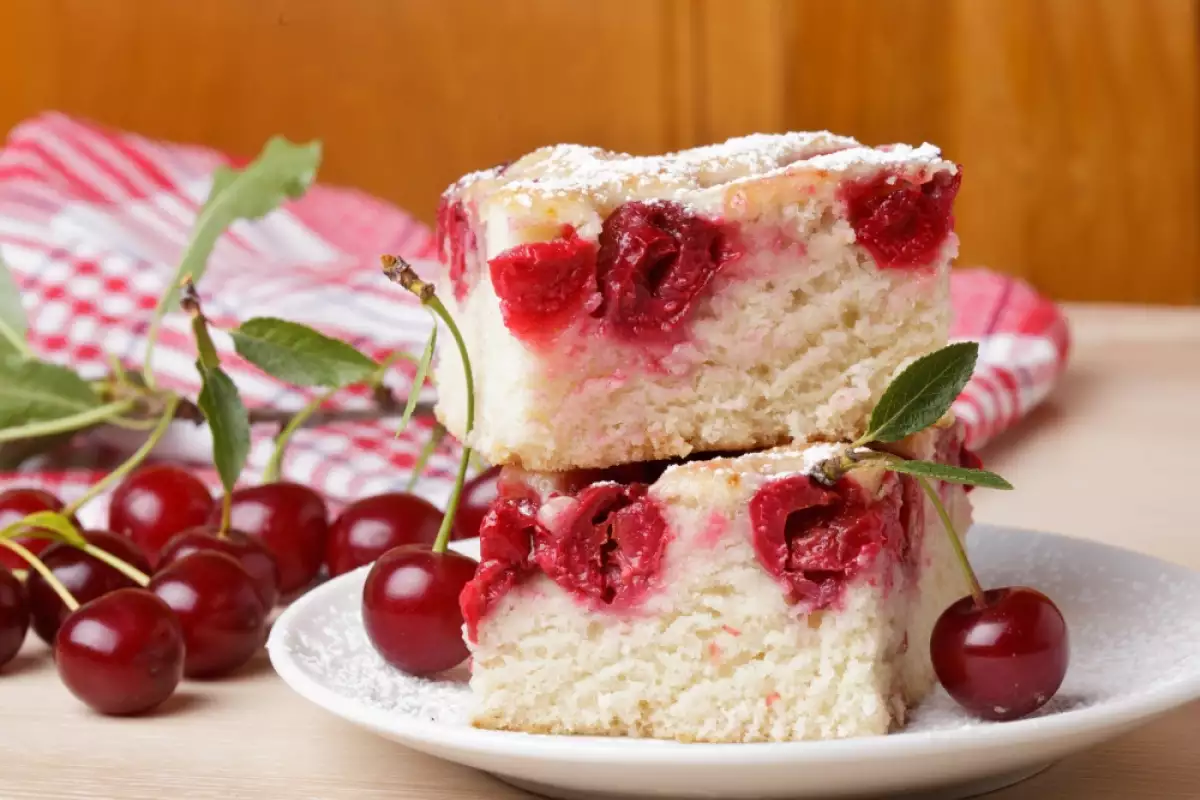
column 275, row 465
column 955, row 541
column 132, row 463
column 399, row 271
column 74, row 422
column 431, row 444
column 206, row 351
column 36, row 564
column 128, row 570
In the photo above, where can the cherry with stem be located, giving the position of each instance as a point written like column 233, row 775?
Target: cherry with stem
column 410, row 597
column 1000, row 653
column 122, row 653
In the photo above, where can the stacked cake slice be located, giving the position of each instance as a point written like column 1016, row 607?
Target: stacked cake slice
column 665, row 352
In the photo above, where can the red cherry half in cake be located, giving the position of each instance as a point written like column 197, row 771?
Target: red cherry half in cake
column 85, row 577
column 411, row 611
column 216, row 600
column 815, row 539
column 506, row 539
column 1004, row 659
column 370, row 527
column 250, row 553
column 157, row 502
column 14, row 615
column 608, row 547
column 542, row 286
column 291, row 520
column 474, row 501
column 121, row 653
column 15, row 505
column 901, row 223
column 655, row 260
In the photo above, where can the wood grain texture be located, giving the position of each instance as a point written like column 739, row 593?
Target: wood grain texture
column 406, row 94
column 1076, row 123
column 1076, row 120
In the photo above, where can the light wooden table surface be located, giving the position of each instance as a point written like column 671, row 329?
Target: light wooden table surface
column 1129, row 407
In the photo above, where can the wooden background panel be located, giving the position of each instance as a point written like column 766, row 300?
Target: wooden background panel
column 1076, row 122
column 406, row 94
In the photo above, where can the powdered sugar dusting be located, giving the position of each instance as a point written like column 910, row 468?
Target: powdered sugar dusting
column 1134, row 624
column 572, row 169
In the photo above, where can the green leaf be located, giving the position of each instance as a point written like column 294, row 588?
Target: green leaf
column 282, row 171
column 46, row 525
column 229, row 422
column 922, row 393
column 13, row 325
column 945, row 472
column 35, row 391
column 418, row 383
column 299, row 355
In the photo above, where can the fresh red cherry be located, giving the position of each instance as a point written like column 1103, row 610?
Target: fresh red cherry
column 367, row 529
column 224, row 621
column 410, row 608
column 85, row 577
column 291, row 520
column 254, row 557
column 16, row 504
column 121, row 653
column 1004, row 659
column 157, row 502
column 14, row 615
column 474, row 502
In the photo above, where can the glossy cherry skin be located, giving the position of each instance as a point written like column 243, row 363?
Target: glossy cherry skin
column 254, row 557
column 15, row 504
column 292, row 521
column 157, row 502
column 121, row 653
column 85, row 577
column 367, row 529
column 1004, row 660
column 14, row 615
column 474, row 502
column 224, row 621
column 411, row 611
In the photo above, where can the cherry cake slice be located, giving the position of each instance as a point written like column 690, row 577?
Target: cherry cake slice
column 734, row 599
column 742, row 295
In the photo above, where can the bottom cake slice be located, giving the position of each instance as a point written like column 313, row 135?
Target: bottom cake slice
column 728, row 600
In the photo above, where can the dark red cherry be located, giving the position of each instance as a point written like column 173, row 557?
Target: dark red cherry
column 224, row 621
column 292, row 521
column 14, row 615
column 367, row 529
column 85, row 577
column 15, row 504
column 121, row 653
column 157, row 502
column 1004, row 660
column 474, row 502
column 410, row 608
column 250, row 553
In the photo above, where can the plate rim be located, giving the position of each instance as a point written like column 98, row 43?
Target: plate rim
column 1107, row 716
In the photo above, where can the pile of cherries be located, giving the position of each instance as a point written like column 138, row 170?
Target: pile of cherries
column 193, row 600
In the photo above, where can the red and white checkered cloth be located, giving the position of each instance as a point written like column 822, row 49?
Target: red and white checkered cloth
column 92, row 223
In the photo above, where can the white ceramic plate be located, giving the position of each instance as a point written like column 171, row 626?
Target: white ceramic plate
column 1135, row 638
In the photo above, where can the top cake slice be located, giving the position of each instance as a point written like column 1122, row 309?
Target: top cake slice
column 620, row 308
